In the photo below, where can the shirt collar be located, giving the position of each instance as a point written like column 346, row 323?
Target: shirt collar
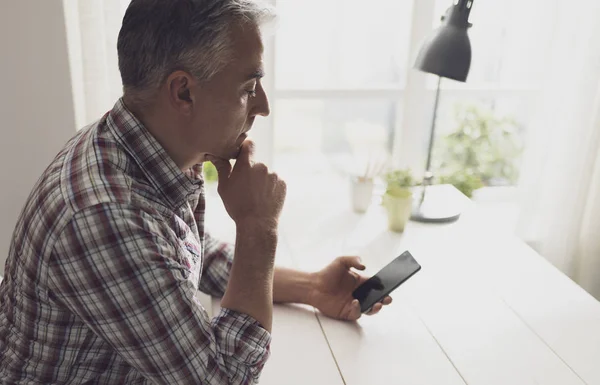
column 161, row 171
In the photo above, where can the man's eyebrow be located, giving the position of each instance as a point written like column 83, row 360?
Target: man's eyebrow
column 258, row 74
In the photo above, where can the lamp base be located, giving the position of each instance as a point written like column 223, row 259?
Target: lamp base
column 437, row 204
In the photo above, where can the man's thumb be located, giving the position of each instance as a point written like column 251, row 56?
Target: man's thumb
column 352, row 262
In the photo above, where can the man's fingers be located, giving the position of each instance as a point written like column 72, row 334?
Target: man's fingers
column 378, row 306
column 350, row 262
column 360, row 279
column 375, row 309
column 353, row 313
column 246, row 153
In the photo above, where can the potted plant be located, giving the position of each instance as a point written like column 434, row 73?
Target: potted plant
column 397, row 199
column 482, row 150
column 464, row 180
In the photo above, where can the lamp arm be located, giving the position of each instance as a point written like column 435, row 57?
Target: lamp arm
column 428, row 173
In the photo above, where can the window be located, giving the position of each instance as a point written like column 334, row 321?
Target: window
column 342, row 44
column 342, row 69
column 506, row 71
column 341, row 82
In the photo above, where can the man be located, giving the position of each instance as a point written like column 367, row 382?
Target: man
column 111, row 246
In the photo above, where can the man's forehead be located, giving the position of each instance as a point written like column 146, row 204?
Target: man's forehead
column 248, row 51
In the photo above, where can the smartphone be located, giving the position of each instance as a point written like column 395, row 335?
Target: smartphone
column 385, row 281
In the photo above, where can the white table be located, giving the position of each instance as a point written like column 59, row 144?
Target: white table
column 484, row 310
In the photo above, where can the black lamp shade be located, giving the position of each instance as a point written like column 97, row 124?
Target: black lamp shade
column 447, row 52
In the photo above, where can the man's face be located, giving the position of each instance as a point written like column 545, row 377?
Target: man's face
column 225, row 106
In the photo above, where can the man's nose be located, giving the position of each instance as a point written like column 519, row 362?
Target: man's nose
column 261, row 106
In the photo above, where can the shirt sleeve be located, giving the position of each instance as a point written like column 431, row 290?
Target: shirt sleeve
column 116, row 269
column 216, row 267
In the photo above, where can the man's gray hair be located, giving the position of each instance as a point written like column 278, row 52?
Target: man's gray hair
column 159, row 37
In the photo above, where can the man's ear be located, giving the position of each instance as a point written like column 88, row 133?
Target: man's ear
column 179, row 85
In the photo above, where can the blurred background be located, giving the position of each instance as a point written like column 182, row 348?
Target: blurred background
column 520, row 137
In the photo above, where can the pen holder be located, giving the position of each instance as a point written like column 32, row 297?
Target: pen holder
column 361, row 193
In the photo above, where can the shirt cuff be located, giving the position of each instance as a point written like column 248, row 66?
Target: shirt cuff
column 242, row 338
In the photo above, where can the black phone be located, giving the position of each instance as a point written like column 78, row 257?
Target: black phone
column 385, row 281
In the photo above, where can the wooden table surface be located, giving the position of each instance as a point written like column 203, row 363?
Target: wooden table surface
column 485, row 309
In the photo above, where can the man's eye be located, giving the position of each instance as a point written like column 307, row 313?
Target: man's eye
column 251, row 93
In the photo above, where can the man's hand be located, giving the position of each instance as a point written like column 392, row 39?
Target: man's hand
column 251, row 194
column 332, row 292
column 253, row 198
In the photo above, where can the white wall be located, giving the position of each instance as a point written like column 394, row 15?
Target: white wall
column 36, row 104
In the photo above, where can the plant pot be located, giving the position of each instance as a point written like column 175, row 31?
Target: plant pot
column 398, row 210
column 361, row 193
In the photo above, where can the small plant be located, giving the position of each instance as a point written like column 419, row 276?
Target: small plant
column 397, row 199
column 210, row 172
column 483, row 150
column 399, row 183
column 464, row 181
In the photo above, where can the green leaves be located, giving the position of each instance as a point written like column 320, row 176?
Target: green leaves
column 483, row 149
column 464, row 181
column 399, row 182
column 210, row 172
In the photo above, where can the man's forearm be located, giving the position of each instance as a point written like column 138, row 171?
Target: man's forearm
column 292, row 286
column 250, row 286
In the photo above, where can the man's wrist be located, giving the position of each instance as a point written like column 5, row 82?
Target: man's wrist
column 293, row 286
column 262, row 240
column 313, row 292
column 252, row 226
column 308, row 294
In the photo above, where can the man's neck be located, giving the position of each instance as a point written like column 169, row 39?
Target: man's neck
column 161, row 129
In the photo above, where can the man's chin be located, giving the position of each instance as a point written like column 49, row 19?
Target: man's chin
column 230, row 155
column 236, row 153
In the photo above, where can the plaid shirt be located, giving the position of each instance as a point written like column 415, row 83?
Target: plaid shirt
column 105, row 261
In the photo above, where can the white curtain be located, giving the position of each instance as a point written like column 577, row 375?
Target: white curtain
column 92, row 31
column 560, row 186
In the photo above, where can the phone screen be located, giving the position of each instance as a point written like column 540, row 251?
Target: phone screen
column 386, row 280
